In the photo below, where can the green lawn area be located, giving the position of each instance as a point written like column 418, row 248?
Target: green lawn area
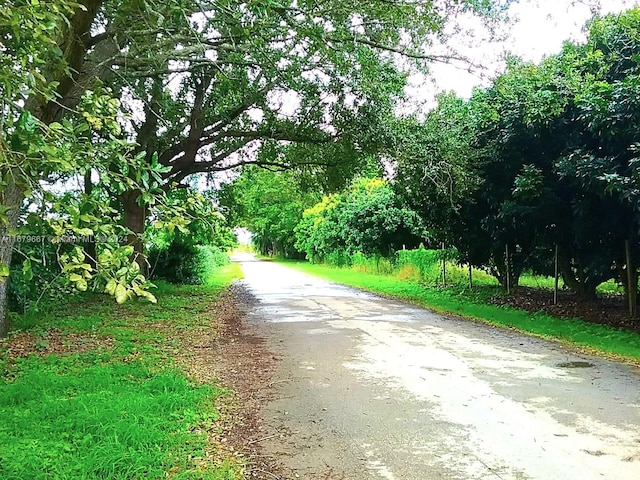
column 596, row 338
column 102, row 396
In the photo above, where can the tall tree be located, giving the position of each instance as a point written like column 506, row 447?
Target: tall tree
column 207, row 83
column 436, row 168
column 367, row 217
column 554, row 147
column 259, row 75
column 39, row 52
column 50, row 131
column 602, row 161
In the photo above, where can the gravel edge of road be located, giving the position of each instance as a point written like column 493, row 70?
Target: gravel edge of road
column 245, row 366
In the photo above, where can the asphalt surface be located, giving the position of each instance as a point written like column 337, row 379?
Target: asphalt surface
column 369, row 388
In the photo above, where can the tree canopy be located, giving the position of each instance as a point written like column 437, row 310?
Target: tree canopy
column 368, row 217
column 553, row 151
column 125, row 100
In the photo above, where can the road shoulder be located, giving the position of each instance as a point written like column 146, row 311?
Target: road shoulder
column 245, row 365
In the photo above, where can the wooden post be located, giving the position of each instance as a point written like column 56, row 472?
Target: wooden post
column 555, row 287
column 508, row 269
column 444, row 267
column 470, row 276
column 632, row 284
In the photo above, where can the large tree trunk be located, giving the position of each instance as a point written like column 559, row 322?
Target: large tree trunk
column 575, row 278
column 11, row 198
column 74, row 43
column 135, row 217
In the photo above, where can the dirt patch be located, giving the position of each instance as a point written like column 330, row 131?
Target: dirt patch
column 53, row 342
column 608, row 310
column 243, row 364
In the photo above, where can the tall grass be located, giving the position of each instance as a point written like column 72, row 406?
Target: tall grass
column 441, row 267
column 121, row 409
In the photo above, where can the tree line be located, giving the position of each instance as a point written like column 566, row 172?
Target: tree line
column 109, row 107
column 538, row 170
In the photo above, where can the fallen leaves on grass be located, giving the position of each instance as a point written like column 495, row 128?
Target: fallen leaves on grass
column 607, row 310
column 53, row 342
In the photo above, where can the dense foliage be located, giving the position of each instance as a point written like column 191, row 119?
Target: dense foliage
column 270, row 205
column 186, row 254
column 367, row 217
column 119, row 102
column 543, row 160
column 553, row 151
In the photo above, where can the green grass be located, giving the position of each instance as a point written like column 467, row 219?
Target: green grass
column 537, row 281
column 597, row 338
column 426, row 266
column 121, row 409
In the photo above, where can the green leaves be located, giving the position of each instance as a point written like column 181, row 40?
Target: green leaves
column 121, row 293
column 26, row 123
column 120, row 275
column 78, row 272
column 528, row 183
column 367, row 217
column 270, row 204
column 552, row 148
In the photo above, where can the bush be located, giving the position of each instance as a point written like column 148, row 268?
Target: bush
column 215, row 256
column 426, row 261
column 337, row 258
column 375, row 264
column 24, row 292
column 186, row 264
column 367, row 217
column 44, row 280
column 409, row 272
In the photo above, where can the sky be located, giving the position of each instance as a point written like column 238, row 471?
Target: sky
column 538, row 29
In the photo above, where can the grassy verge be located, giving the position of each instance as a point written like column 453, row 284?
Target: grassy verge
column 597, row 338
column 92, row 390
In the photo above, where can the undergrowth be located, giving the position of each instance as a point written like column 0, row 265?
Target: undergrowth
column 437, row 268
column 122, row 409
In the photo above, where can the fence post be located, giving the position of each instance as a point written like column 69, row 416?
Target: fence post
column 632, row 283
column 444, row 267
column 555, row 288
column 506, row 249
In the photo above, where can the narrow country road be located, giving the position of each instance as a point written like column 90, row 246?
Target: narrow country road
column 368, row 388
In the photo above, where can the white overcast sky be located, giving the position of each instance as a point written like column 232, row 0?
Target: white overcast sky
column 538, row 29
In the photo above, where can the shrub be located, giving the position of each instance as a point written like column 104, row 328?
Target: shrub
column 426, row 261
column 367, row 217
column 429, row 264
column 187, row 264
column 376, row 264
column 46, row 283
column 338, row 258
column 43, row 280
column 409, row 272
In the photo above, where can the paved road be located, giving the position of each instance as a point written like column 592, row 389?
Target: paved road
column 369, row 388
